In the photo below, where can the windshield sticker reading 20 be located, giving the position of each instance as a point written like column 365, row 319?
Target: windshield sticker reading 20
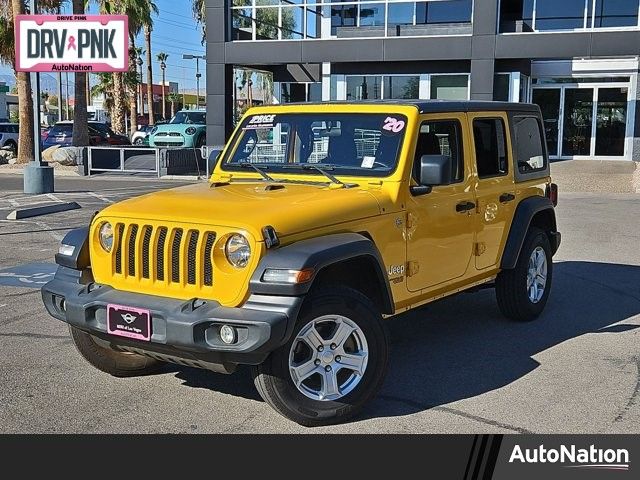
column 394, row 125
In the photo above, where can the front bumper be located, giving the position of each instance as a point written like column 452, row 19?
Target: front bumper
column 183, row 332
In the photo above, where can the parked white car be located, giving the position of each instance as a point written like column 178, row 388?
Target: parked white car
column 9, row 136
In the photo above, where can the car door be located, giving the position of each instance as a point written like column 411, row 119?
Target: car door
column 495, row 188
column 440, row 224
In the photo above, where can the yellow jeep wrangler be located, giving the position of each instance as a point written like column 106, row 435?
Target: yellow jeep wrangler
column 318, row 222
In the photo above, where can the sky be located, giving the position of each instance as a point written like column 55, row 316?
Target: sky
column 174, row 32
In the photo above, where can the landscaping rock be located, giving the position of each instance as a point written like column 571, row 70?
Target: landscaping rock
column 69, row 156
column 47, row 155
column 6, row 156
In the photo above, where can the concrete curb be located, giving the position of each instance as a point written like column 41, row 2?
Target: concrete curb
column 45, row 210
column 56, row 173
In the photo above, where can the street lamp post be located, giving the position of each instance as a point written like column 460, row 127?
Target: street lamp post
column 38, row 176
column 197, row 58
column 163, row 67
column 141, row 109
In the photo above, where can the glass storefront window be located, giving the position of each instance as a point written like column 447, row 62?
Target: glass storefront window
column 548, row 99
column 401, row 14
column 451, row 11
column 364, row 87
column 242, row 24
column 501, row 87
column 292, row 23
column 402, row 87
column 314, row 17
column 611, row 121
column 578, row 121
column 545, row 15
column 267, row 24
column 450, row 87
column 372, row 14
column 301, row 19
column 343, row 16
column 555, row 15
column 616, row 13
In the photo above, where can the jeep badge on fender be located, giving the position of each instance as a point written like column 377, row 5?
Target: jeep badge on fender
column 302, row 244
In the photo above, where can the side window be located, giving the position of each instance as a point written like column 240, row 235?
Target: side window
column 491, row 147
column 441, row 137
column 529, row 145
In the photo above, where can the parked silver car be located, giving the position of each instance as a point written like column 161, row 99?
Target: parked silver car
column 141, row 136
column 9, row 136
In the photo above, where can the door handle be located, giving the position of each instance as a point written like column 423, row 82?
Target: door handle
column 465, row 206
column 507, row 197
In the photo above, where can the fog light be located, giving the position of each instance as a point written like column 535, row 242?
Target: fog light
column 63, row 305
column 228, row 334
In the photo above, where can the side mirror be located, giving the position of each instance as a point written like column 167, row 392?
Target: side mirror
column 214, row 156
column 434, row 170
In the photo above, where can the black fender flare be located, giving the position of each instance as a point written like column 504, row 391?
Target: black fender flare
column 525, row 212
column 79, row 258
column 318, row 253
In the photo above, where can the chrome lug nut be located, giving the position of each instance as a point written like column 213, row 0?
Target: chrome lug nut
column 333, row 346
column 317, row 362
column 328, row 368
column 338, row 358
column 320, row 348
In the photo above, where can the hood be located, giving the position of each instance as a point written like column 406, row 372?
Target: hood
column 251, row 206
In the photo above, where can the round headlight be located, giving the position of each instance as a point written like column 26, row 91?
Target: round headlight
column 190, row 131
column 106, row 236
column 238, row 250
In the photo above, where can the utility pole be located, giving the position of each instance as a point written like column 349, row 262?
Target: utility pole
column 38, row 176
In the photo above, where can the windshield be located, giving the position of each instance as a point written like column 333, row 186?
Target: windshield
column 199, row 118
column 351, row 144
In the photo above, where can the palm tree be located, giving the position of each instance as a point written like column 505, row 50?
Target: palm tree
column 173, row 98
column 80, row 117
column 162, row 58
column 104, row 87
column 23, row 82
column 148, row 28
column 199, row 9
column 139, row 13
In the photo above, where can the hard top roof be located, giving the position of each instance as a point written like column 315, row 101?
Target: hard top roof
column 441, row 106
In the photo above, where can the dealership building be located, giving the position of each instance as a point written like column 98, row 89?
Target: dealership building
column 577, row 59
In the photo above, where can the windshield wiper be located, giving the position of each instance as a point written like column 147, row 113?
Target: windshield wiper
column 321, row 168
column 262, row 173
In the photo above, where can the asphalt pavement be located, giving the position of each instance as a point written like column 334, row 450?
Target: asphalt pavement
column 456, row 366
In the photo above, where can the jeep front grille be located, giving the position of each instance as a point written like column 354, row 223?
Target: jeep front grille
column 171, row 255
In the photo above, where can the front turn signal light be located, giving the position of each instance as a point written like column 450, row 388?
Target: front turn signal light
column 274, row 275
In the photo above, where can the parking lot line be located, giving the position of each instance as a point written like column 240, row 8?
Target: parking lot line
column 100, row 197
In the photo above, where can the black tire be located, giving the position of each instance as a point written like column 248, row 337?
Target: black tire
column 511, row 285
column 138, row 141
column 118, row 364
column 274, row 382
column 202, row 140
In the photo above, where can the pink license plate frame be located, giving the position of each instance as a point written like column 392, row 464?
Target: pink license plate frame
column 129, row 322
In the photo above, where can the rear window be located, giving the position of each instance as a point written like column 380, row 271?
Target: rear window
column 530, row 155
column 62, row 129
column 8, row 129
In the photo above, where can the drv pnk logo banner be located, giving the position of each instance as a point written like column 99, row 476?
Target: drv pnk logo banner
column 72, row 43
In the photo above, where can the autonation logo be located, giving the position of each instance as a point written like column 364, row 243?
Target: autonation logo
column 574, row 457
